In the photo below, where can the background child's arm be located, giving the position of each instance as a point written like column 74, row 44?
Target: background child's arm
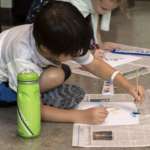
column 109, row 46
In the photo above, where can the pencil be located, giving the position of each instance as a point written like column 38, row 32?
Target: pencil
column 137, row 79
column 137, row 85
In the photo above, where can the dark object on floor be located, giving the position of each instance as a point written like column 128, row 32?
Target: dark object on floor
column 5, row 104
column 20, row 10
column 131, row 3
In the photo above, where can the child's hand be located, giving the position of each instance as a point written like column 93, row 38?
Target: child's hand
column 138, row 93
column 95, row 115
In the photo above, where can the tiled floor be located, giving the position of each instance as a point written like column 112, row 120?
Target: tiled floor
column 58, row 136
column 132, row 31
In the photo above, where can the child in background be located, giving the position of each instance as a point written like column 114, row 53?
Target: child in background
column 93, row 9
column 59, row 33
column 97, row 8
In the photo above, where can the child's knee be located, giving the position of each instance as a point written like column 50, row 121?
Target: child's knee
column 58, row 75
column 55, row 75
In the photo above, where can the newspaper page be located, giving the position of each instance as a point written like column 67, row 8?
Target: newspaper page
column 128, row 135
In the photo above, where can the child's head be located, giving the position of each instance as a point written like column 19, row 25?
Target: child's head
column 61, row 30
column 102, row 6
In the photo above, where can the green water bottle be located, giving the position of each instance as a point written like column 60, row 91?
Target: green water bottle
column 28, row 102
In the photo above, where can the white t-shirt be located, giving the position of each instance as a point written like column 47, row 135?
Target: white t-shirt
column 18, row 53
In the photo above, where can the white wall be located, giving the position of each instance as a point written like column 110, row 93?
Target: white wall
column 6, row 3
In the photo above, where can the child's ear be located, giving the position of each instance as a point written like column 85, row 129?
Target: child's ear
column 45, row 51
column 43, row 48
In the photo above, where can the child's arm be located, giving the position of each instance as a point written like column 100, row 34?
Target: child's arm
column 101, row 69
column 53, row 77
column 89, row 116
column 109, row 46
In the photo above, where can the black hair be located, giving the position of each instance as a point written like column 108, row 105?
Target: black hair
column 62, row 29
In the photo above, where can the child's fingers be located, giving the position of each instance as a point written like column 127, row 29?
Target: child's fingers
column 103, row 111
column 139, row 94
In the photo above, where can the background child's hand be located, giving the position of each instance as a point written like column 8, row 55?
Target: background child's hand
column 109, row 46
column 94, row 115
column 138, row 93
column 105, row 47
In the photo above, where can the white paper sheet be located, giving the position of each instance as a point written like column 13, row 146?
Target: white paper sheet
column 135, row 135
column 118, row 59
column 119, row 113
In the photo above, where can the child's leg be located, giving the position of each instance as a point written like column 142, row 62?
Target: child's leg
column 65, row 96
column 58, row 94
column 35, row 7
column 54, row 77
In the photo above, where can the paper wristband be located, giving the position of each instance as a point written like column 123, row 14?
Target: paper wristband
column 114, row 74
